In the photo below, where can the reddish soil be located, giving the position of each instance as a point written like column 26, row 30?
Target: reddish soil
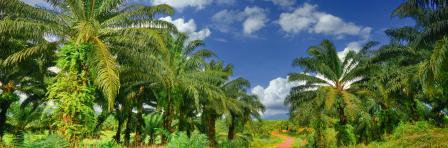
column 287, row 141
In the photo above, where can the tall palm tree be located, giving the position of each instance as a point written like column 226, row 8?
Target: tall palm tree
column 431, row 17
column 243, row 108
column 113, row 27
column 182, row 76
column 13, row 78
column 329, row 81
column 211, row 111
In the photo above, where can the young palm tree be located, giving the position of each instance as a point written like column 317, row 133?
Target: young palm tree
column 111, row 26
column 24, row 117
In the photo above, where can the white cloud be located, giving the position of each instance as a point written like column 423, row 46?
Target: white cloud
column 283, row 3
column 274, row 95
column 181, row 4
column 308, row 18
column 352, row 46
column 253, row 19
column 188, row 27
column 227, row 2
column 225, row 18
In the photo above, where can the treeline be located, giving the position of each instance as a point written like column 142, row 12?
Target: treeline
column 66, row 69
column 365, row 94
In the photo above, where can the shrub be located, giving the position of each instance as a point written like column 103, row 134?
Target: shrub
column 236, row 143
column 51, row 141
column 181, row 140
column 345, row 135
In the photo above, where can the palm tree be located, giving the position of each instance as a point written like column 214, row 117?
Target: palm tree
column 12, row 78
column 152, row 123
column 24, row 117
column 250, row 107
column 211, row 111
column 431, row 17
column 243, row 108
column 181, row 77
column 331, row 84
column 329, row 80
column 111, row 26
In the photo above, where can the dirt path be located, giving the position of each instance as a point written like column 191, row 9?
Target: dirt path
column 287, row 141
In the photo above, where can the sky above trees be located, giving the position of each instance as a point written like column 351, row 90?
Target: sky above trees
column 262, row 37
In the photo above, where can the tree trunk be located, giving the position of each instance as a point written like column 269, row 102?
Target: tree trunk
column 167, row 119
column 4, row 108
column 231, row 132
column 211, row 130
column 139, row 124
column 100, row 122
column 118, row 133
column 152, row 138
column 181, row 125
column 127, row 131
column 342, row 117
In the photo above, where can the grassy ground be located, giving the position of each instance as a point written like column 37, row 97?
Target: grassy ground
column 420, row 134
column 265, row 142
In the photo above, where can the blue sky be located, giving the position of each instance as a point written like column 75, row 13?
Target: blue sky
column 262, row 37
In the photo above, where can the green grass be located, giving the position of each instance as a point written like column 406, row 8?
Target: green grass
column 265, row 142
column 419, row 134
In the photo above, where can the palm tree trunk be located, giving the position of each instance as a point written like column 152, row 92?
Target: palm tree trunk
column 139, row 124
column 231, row 132
column 118, row 133
column 342, row 117
column 4, row 108
column 211, row 130
column 152, row 137
column 100, row 122
column 414, row 112
column 127, row 131
column 181, row 124
column 167, row 119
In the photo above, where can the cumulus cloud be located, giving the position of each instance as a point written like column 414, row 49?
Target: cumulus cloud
column 188, row 27
column 252, row 19
column 273, row 97
column 181, row 4
column 255, row 19
column 308, row 18
column 352, row 46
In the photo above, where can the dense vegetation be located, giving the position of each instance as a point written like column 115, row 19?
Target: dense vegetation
column 106, row 73
column 365, row 95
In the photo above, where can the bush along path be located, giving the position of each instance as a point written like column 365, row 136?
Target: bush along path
column 287, row 140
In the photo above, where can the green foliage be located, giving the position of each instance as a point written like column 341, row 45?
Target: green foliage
column 73, row 94
column 52, row 141
column 8, row 97
column 418, row 134
column 263, row 141
column 181, row 140
column 233, row 143
column 345, row 135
